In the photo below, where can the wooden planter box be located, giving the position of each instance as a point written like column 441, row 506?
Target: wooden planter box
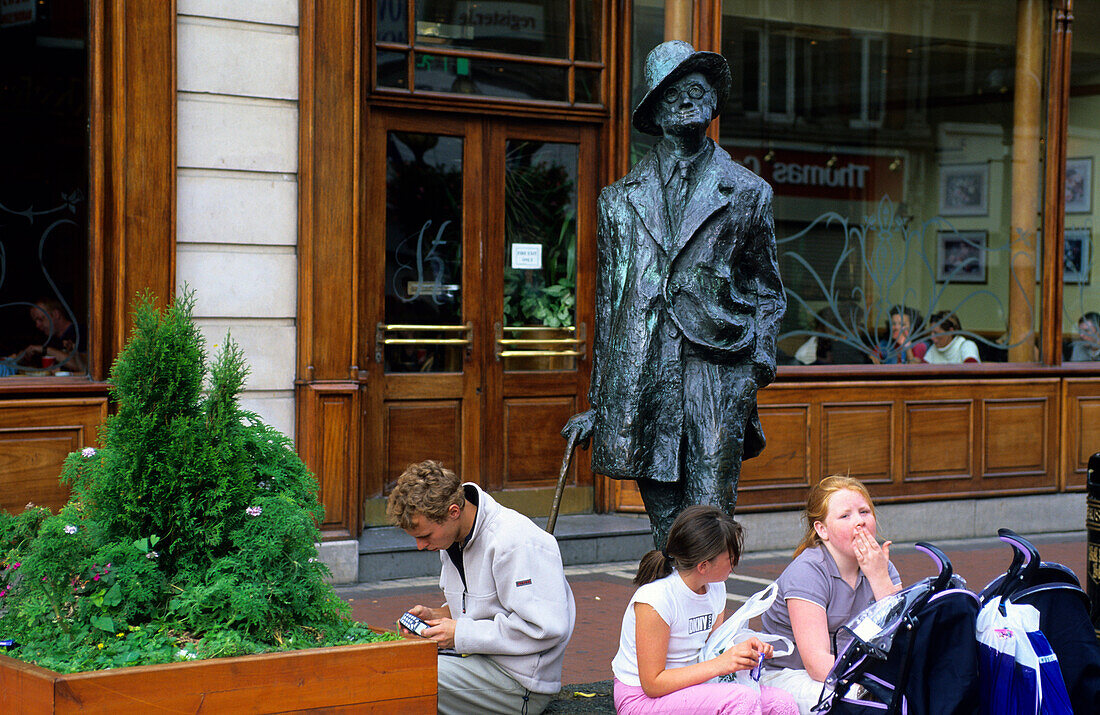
column 378, row 677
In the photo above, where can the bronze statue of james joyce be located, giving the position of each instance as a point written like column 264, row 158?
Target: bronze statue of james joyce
column 688, row 302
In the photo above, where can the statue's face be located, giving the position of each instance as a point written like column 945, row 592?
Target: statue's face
column 687, row 105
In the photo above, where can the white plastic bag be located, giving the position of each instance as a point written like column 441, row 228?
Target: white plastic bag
column 1018, row 671
column 735, row 629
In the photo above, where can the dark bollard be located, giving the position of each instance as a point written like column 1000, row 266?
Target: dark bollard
column 1092, row 555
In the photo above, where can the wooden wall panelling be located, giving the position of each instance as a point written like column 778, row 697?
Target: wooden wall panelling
column 961, row 438
column 938, row 440
column 1020, row 421
column 329, row 414
column 1080, row 430
column 787, row 458
column 35, row 438
column 132, row 106
column 1015, row 437
column 857, row 439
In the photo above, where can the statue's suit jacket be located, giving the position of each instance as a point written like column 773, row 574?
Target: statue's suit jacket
column 713, row 283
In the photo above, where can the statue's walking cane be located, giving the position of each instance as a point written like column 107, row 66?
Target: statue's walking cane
column 570, row 447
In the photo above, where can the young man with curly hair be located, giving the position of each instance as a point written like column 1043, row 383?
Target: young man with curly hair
column 509, row 609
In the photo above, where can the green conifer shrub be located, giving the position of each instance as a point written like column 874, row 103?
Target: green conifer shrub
column 190, row 533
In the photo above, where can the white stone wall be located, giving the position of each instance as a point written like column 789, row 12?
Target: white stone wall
column 237, row 177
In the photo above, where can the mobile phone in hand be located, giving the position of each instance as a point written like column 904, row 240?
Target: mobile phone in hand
column 413, row 623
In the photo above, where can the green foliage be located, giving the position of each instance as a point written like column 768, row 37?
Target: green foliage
column 191, row 533
column 271, row 581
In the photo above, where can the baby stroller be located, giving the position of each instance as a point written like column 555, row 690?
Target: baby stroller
column 1063, row 609
column 914, row 652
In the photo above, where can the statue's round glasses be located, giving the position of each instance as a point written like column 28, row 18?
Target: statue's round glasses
column 672, row 94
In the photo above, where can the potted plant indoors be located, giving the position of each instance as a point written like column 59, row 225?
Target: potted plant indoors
column 183, row 572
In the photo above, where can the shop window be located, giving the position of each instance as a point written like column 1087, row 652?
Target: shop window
column 522, row 51
column 44, row 256
column 1081, row 282
column 890, row 139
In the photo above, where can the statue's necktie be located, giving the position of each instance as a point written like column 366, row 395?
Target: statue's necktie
column 685, row 181
column 678, row 193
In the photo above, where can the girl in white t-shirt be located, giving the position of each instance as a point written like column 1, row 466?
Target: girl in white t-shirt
column 681, row 599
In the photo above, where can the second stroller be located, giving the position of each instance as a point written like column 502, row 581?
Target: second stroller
column 913, row 652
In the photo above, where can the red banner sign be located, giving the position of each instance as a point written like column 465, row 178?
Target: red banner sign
column 823, row 175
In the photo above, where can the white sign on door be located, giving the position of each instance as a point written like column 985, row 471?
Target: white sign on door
column 527, row 256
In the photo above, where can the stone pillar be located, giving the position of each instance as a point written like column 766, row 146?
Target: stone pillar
column 1026, row 177
column 678, row 15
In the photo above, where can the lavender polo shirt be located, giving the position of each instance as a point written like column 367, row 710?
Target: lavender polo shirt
column 813, row 576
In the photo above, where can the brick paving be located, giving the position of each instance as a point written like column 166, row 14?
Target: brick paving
column 602, row 591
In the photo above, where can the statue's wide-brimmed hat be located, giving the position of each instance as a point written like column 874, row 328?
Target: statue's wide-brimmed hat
column 668, row 62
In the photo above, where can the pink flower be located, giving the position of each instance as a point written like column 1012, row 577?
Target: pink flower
column 88, row 452
column 70, row 529
column 254, row 511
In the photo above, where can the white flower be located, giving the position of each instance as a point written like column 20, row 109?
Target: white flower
column 152, row 555
column 184, row 654
column 70, row 529
column 312, row 560
column 264, row 484
column 88, row 452
column 254, row 510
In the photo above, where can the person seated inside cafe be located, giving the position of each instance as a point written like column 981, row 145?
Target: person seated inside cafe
column 65, row 344
column 1087, row 345
column 897, row 348
column 948, row 346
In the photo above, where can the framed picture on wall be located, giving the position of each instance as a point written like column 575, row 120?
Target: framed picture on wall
column 1076, row 258
column 960, row 256
column 1078, row 186
column 964, row 189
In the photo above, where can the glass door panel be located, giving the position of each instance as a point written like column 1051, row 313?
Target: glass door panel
column 424, row 330
column 540, row 256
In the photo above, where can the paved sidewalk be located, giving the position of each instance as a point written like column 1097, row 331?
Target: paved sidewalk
column 602, row 591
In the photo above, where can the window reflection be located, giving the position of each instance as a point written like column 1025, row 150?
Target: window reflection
column 535, row 28
column 891, row 139
column 423, row 251
column 1081, row 294
column 43, row 190
column 553, row 48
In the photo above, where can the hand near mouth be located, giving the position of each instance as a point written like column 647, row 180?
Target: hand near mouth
column 869, row 554
column 873, row 561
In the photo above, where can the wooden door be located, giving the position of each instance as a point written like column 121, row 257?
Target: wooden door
column 540, row 258
column 478, row 348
